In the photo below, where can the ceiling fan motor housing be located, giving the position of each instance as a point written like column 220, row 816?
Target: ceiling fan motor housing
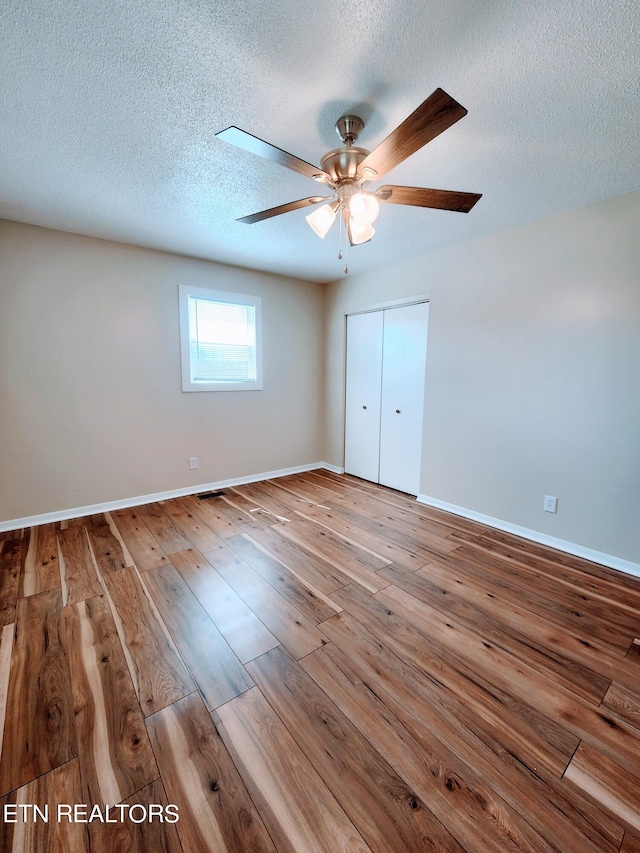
column 342, row 164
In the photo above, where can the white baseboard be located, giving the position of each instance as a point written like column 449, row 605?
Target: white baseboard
column 335, row 469
column 125, row 503
column 534, row 536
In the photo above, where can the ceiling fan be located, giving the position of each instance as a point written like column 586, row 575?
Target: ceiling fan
column 346, row 171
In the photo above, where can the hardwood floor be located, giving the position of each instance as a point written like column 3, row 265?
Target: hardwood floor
column 314, row 663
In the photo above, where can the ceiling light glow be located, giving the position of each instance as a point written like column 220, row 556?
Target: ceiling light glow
column 364, row 208
column 360, row 233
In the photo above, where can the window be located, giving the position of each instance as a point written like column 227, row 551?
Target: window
column 220, row 336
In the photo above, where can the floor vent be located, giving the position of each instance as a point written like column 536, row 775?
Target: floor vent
column 206, row 495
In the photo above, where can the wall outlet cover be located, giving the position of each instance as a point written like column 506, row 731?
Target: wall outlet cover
column 550, row 503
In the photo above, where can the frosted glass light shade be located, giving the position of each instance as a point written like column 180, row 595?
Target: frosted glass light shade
column 364, row 208
column 322, row 219
column 360, row 233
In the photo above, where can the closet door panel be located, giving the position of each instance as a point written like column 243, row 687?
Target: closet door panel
column 364, row 377
column 402, row 399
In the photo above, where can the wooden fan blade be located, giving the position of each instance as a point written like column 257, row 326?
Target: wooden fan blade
column 242, row 139
column 422, row 197
column 433, row 116
column 282, row 208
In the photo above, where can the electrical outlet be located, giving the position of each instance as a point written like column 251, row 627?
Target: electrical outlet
column 193, row 462
column 550, row 504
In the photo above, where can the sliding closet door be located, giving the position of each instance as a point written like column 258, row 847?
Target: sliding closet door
column 403, row 375
column 364, row 375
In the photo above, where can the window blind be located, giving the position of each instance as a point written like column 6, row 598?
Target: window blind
column 222, row 341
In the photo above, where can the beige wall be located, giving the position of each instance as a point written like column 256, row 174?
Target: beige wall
column 91, row 407
column 533, row 372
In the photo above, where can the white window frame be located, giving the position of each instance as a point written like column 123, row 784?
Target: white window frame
column 184, row 292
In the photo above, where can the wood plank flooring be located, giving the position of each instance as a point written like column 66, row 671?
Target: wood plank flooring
column 315, row 664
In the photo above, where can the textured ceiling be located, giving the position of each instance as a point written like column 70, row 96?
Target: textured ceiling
column 108, row 112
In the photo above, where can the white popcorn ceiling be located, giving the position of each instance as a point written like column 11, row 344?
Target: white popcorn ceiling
column 108, row 110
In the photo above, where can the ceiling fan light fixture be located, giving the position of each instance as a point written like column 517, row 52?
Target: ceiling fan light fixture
column 364, row 208
column 321, row 220
column 360, row 233
column 347, row 170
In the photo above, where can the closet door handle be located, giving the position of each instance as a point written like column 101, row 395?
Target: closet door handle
column 397, row 411
column 364, row 407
